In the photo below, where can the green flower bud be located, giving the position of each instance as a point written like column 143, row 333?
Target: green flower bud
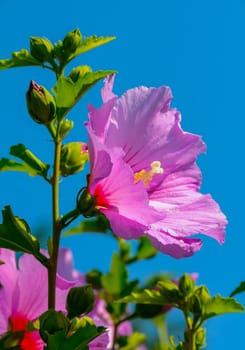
column 40, row 104
column 80, row 300
column 186, row 284
column 203, row 294
column 74, row 156
column 65, row 127
column 196, row 306
column 93, row 277
column 201, row 338
column 78, row 72
column 41, row 48
column 72, row 40
column 51, row 322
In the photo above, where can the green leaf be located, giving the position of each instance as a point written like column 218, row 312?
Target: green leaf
column 20, row 151
column 86, row 331
column 219, row 306
column 15, row 235
column 116, row 280
column 11, row 165
column 146, row 296
column 133, row 341
column 145, row 249
column 90, row 43
column 97, row 225
column 19, row 59
column 239, row 289
column 65, row 92
column 68, row 92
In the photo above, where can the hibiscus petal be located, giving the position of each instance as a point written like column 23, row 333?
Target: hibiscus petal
column 177, row 247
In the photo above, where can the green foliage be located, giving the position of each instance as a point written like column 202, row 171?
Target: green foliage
column 31, row 165
column 69, row 92
column 116, row 280
column 131, row 342
column 219, row 306
column 147, row 296
column 239, row 289
column 20, row 59
column 60, row 333
column 15, row 234
column 145, row 249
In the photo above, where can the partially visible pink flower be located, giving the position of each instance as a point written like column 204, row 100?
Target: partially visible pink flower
column 24, row 295
column 162, row 158
column 99, row 314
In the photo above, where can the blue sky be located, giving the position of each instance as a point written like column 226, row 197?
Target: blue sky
column 195, row 47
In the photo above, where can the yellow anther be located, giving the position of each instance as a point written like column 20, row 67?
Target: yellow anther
column 146, row 176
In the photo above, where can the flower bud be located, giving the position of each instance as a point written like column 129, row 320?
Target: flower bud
column 41, row 48
column 74, row 156
column 72, row 40
column 40, row 104
column 93, row 277
column 65, row 127
column 80, row 300
column 203, row 294
column 186, row 284
column 78, row 72
column 51, row 322
column 201, row 338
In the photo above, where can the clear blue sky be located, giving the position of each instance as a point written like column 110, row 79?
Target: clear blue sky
column 195, row 47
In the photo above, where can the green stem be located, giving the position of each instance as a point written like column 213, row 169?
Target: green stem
column 162, row 331
column 52, row 268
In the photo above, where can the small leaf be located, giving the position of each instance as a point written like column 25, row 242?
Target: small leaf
column 11, row 165
column 65, row 92
column 219, row 306
column 20, row 151
column 20, row 59
column 90, row 43
column 116, row 280
column 146, row 296
column 15, row 235
column 133, row 341
column 239, row 289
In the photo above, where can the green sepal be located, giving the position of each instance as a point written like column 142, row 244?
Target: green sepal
column 15, row 234
column 169, row 292
column 116, row 280
column 68, row 92
column 20, row 59
column 41, row 49
column 219, row 306
column 95, row 225
column 11, row 340
column 51, row 322
column 23, row 153
column 239, row 289
column 132, row 342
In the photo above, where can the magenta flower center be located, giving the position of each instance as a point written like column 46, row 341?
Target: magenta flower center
column 101, row 200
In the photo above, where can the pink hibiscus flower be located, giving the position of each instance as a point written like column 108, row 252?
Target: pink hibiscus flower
column 99, row 314
column 24, row 295
column 151, row 162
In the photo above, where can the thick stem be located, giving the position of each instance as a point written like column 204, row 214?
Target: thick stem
column 52, row 269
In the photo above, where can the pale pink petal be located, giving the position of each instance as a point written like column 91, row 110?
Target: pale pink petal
column 106, row 91
column 66, row 267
